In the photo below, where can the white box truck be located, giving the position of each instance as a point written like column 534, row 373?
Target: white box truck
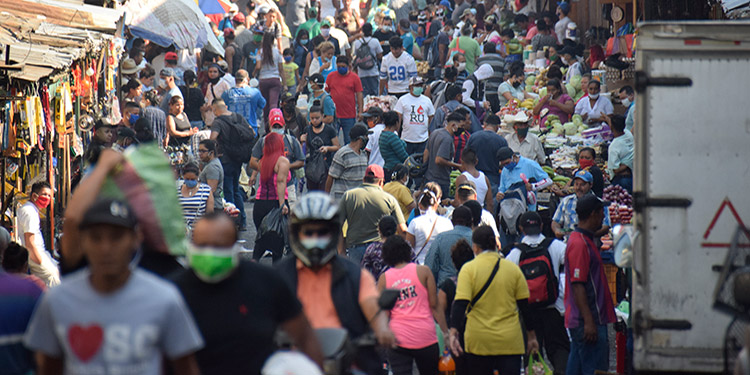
column 692, row 187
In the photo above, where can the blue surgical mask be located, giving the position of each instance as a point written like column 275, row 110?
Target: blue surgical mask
column 288, row 58
column 414, row 27
column 343, row 70
column 511, row 165
column 133, row 118
column 303, row 41
column 191, row 183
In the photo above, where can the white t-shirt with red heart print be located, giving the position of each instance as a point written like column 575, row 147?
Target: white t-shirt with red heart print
column 128, row 331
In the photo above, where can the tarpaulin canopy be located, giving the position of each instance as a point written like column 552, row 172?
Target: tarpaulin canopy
column 167, row 22
column 214, row 6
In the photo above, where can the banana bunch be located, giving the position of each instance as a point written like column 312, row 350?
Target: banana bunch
column 527, row 104
column 422, row 68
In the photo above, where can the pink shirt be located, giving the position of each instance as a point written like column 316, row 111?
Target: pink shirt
column 411, row 318
column 267, row 189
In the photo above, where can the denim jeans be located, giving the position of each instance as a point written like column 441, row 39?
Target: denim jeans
column 415, row 148
column 586, row 357
column 346, row 124
column 625, row 181
column 232, row 191
column 370, row 85
column 357, row 252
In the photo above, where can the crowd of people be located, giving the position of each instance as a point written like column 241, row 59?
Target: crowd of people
column 434, row 195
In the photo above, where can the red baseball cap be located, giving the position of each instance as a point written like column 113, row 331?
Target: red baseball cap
column 374, row 170
column 239, row 17
column 171, row 56
column 276, row 117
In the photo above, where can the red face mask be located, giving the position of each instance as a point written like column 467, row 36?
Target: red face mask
column 43, row 202
column 586, row 163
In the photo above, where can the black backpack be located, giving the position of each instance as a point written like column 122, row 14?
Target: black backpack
column 363, row 58
column 536, row 265
column 236, row 138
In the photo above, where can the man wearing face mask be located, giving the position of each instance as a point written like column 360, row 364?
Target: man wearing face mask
column 41, row 263
column 453, row 96
column 295, row 122
column 440, row 152
column 131, row 112
column 514, row 165
column 528, row 145
column 319, row 97
column 345, row 88
column 627, row 97
column 325, row 36
column 396, row 69
column 221, row 291
column 415, row 112
column 251, row 49
column 169, row 86
column 385, row 33
column 335, row 292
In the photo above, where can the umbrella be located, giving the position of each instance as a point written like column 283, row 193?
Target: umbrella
column 214, row 6
column 167, row 22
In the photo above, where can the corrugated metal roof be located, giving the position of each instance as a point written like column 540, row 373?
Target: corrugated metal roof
column 43, row 46
column 65, row 13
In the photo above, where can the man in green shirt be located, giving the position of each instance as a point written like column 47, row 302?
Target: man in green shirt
column 363, row 207
column 311, row 25
column 468, row 46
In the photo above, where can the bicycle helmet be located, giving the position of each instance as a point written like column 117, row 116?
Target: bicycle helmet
column 314, row 207
column 417, row 167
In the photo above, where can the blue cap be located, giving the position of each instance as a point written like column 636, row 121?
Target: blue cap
column 446, row 4
column 564, row 6
column 584, row 175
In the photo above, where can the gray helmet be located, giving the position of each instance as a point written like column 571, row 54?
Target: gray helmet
column 314, row 207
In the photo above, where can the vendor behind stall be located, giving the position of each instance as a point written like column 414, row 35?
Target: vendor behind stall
column 527, row 145
column 556, row 102
column 566, row 219
column 514, row 165
column 594, row 107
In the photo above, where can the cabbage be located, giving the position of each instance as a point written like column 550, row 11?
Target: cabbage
column 582, row 127
column 570, row 128
column 557, row 128
column 577, row 119
column 576, row 82
column 543, row 92
column 571, row 90
column 530, row 80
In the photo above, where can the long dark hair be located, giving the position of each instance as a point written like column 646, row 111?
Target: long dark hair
column 267, row 47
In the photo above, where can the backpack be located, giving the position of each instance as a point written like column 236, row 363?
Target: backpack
column 363, row 58
column 237, row 144
column 433, row 53
column 478, row 92
column 512, row 206
column 536, row 265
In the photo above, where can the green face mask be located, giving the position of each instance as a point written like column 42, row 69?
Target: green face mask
column 212, row 264
column 257, row 38
column 418, row 91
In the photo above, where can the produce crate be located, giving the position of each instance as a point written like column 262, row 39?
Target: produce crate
column 610, row 270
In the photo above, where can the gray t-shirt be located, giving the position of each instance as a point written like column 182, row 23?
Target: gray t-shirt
column 375, row 49
column 440, row 144
column 292, row 151
column 128, row 331
column 214, row 171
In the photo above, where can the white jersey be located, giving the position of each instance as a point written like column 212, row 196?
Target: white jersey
column 398, row 71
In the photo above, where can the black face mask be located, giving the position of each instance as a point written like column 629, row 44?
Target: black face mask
column 516, row 84
column 488, row 26
column 289, row 107
column 320, row 124
column 522, row 132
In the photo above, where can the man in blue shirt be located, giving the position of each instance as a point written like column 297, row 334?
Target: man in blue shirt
column 316, row 84
column 620, row 162
column 404, row 30
column 486, row 143
column 514, row 166
column 245, row 100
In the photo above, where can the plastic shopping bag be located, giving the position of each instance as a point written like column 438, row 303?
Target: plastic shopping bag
column 537, row 366
column 272, row 234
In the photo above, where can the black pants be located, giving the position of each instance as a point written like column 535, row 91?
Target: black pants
column 549, row 326
column 427, row 358
column 487, row 364
column 261, row 208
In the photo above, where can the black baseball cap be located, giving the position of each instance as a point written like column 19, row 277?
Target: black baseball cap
column 100, row 123
column 109, row 211
column 317, row 79
column 504, row 153
column 531, row 223
column 373, row 112
column 358, row 131
column 588, row 204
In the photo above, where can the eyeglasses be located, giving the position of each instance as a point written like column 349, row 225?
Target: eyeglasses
column 319, row 232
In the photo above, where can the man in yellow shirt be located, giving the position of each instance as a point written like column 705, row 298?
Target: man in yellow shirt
column 489, row 295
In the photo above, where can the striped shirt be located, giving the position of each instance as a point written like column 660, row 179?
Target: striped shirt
column 347, row 170
column 193, row 207
column 498, row 66
column 392, row 149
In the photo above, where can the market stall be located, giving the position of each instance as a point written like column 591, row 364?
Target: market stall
column 57, row 62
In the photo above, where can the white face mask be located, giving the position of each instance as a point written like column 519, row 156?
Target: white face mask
column 594, row 96
column 626, row 102
column 278, row 130
column 461, row 66
column 325, row 32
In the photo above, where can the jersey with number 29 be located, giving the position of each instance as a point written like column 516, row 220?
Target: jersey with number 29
column 398, row 70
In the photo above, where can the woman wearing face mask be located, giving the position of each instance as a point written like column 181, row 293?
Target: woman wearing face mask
column 194, row 99
column 300, row 51
column 216, row 86
column 272, row 193
column 512, row 88
column 196, row 198
column 397, row 188
column 587, row 162
column 270, row 66
column 179, row 130
column 558, row 103
column 325, row 62
column 425, row 227
column 459, row 62
column 491, row 31
column 594, row 107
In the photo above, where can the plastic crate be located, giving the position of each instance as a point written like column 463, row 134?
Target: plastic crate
column 610, row 271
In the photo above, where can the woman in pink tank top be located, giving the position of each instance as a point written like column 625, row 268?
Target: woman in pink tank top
column 413, row 318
